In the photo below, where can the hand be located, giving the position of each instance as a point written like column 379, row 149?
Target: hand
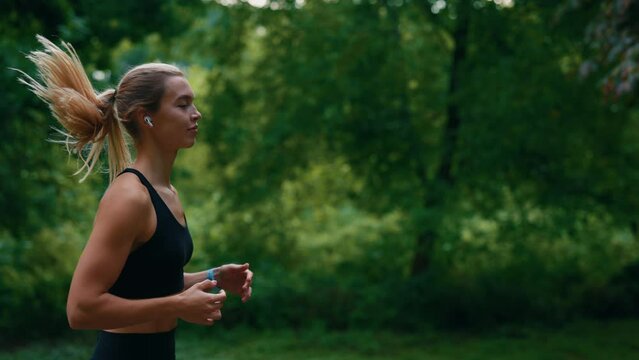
column 236, row 279
column 198, row 306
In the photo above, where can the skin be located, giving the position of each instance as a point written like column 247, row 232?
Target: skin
column 126, row 219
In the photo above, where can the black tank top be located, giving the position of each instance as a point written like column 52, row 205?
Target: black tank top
column 156, row 268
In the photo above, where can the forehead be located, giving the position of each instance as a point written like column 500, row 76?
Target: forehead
column 176, row 87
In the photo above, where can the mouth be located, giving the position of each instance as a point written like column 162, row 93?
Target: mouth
column 193, row 128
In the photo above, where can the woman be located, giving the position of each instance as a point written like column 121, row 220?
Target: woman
column 129, row 281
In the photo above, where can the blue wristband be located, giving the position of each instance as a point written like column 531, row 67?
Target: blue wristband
column 211, row 276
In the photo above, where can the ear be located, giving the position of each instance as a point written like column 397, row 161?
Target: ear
column 138, row 115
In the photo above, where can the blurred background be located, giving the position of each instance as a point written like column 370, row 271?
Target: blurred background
column 407, row 178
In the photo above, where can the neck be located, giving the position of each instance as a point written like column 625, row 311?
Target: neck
column 156, row 164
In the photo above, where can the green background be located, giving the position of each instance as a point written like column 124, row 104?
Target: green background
column 396, row 165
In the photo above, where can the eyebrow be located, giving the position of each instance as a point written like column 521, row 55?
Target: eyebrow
column 186, row 97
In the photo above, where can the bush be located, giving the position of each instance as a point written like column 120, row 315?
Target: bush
column 35, row 274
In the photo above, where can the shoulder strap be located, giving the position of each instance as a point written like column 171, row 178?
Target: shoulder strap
column 140, row 176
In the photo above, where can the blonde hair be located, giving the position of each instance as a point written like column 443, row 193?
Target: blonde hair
column 93, row 120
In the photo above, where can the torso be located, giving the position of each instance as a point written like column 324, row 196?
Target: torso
column 147, row 328
column 172, row 202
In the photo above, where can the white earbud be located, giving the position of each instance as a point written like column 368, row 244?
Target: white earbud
column 148, row 121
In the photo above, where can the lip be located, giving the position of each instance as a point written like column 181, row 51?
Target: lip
column 193, row 128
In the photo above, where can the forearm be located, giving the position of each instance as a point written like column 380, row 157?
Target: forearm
column 191, row 279
column 108, row 311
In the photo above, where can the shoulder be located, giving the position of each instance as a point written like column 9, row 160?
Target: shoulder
column 123, row 214
column 126, row 196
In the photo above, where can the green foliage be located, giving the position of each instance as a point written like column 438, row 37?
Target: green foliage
column 584, row 339
column 327, row 151
column 35, row 274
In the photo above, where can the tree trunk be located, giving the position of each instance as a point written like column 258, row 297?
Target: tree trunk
column 438, row 188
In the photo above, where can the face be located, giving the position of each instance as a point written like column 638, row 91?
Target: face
column 175, row 122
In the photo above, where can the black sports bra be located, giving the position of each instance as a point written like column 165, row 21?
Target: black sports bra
column 156, row 268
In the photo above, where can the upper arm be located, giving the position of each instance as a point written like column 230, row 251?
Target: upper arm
column 122, row 219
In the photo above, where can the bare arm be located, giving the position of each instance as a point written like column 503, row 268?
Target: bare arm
column 122, row 221
column 234, row 278
column 191, row 279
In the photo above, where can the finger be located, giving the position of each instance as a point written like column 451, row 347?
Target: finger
column 212, row 317
column 219, row 297
column 248, row 281
column 206, row 285
column 247, row 295
column 237, row 267
column 216, row 305
column 245, row 290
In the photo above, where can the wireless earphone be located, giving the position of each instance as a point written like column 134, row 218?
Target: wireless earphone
column 148, row 121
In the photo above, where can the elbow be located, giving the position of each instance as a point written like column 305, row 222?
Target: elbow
column 75, row 320
column 76, row 324
column 77, row 317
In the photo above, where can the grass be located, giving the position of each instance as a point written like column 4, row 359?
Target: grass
column 579, row 340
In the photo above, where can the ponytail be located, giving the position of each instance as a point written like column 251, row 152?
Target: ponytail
column 90, row 120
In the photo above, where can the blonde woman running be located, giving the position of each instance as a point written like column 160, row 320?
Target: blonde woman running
column 129, row 281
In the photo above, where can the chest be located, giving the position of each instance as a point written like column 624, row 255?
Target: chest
column 172, row 203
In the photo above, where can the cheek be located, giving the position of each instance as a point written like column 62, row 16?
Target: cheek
column 176, row 113
column 169, row 117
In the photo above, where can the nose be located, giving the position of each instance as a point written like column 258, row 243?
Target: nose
column 196, row 116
